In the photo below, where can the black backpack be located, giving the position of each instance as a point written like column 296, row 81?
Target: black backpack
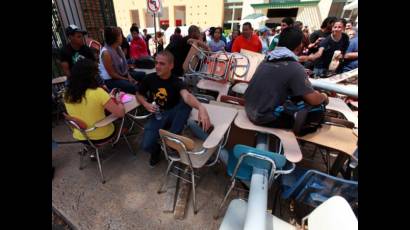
column 300, row 117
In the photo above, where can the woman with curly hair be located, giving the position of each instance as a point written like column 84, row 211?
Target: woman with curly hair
column 85, row 100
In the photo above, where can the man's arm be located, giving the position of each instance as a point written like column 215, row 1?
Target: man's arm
column 352, row 55
column 141, row 99
column 316, row 55
column 203, row 116
column 316, row 98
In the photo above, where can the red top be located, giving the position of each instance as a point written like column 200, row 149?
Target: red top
column 138, row 48
column 253, row 44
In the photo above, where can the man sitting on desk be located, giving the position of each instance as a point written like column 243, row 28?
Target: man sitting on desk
column 166, row 90
column 276, row 79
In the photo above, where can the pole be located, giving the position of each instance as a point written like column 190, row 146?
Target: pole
column 155, row 33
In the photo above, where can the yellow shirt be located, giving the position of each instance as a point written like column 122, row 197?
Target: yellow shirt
column 91, row 110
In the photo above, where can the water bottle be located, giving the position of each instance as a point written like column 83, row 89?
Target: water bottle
column 158, row 114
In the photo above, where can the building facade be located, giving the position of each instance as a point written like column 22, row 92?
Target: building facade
column 92, row 15
column 203, row 13
column 310, row 12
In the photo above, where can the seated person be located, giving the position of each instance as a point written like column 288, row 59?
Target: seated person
column 85, row 100
column 76, row 50
column 352, row 55
column 138, row 47
column 278, row 77
column 113, row 64
column 336, row 41
column 174, row 101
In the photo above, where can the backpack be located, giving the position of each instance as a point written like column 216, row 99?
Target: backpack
column 300, row 117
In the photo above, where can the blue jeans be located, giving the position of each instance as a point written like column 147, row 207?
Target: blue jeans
column 200, row 134
column 173, row 120
column 125, row 85
column 320, row 72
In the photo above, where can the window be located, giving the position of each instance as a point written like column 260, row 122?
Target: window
column 134, row 15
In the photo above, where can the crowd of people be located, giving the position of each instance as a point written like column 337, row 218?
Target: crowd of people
column 290, row 46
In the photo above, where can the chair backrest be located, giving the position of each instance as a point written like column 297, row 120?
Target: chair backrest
column 334, row 214
column 75, row 123
column 177, row 142
column 249, row 157
column 314, row 188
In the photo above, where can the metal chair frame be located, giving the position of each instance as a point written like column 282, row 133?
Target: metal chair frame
column 74, row 125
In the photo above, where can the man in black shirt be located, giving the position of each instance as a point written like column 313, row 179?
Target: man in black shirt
column 276, row 79
column 180, row 48
column 337, row 41
column 319, row 35
column 174, row 102
column 75, row 49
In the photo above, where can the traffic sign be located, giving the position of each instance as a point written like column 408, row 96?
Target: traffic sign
column 154, row 5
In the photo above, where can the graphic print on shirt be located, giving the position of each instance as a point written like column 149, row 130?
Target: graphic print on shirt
column 76, row 57
column 160, row 96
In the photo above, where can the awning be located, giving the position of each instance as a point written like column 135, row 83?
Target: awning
column 254, row 16
column 255, row 19
column 351, row 6
column 284, row 4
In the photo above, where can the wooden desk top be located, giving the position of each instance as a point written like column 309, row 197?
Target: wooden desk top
column 221, row 88
column 111, row 118
column 342, row 76
column 290, row 145
column 339, row 105
column 334, row 137
column 221, row 118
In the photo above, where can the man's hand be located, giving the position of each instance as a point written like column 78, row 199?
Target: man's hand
column 203, row 118
column 326, row 101
column 150, row 107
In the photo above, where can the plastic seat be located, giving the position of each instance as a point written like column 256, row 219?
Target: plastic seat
column 244, row 158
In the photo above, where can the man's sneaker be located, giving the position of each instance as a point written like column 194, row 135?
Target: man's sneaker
column 153, row 160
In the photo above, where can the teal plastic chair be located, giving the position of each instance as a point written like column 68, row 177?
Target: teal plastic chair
column 244, row 158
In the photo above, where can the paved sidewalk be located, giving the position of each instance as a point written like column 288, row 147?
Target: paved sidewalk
column 128, row 199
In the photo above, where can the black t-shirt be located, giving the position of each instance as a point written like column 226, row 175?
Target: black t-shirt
column 180, row 50
column 330, row 46
column 271, row 85
column 70, row 55
column 166, row 93
column 314, row 36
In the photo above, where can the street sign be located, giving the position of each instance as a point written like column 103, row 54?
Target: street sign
column 154, row 5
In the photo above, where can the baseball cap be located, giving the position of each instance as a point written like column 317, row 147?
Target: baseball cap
column 71, row 29
column 263, row 29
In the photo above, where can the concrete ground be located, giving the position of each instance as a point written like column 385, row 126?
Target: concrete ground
column 128, row 199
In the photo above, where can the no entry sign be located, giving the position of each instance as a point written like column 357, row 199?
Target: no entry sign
column 154, row 5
